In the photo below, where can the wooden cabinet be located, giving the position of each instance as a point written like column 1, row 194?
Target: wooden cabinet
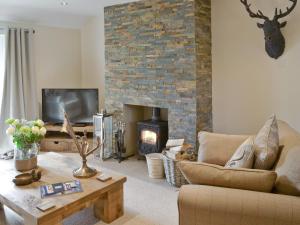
column 56, row 141
column 54, row 145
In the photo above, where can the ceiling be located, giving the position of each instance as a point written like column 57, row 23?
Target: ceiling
column 52, row 12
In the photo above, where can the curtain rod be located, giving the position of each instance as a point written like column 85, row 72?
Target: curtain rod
column 26, row 29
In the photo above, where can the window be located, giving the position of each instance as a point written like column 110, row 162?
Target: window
column 2, row 62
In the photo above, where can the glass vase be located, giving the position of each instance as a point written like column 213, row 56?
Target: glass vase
column 26, row 157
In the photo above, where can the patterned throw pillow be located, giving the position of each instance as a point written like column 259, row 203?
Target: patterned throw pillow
column 267, row 145
column 243, row 156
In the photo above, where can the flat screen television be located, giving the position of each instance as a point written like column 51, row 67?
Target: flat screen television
column 80, row 105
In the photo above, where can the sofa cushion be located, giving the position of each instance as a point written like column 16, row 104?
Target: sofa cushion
column 288, row 166
column 218, row 148
column 247, row 179
column 243, row 156
column 266, row 145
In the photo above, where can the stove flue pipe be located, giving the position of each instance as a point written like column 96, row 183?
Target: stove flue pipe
column 155, row 114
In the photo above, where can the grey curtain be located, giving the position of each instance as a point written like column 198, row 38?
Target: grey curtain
column 19, row 92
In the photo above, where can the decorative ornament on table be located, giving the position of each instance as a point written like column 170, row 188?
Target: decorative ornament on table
column 26, row 136
column 274, row 40
column 83, row 148
column 28, row 178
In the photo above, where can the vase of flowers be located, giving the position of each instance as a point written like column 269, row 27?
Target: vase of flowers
column 26, row 137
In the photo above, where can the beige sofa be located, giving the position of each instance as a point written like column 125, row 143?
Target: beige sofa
column 210, row 205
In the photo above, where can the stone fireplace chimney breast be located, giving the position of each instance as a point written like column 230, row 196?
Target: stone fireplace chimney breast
column 158, row 54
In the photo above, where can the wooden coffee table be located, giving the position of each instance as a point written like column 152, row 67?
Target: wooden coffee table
column 106, row 198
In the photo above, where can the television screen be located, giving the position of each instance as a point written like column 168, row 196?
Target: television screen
column 79, row 104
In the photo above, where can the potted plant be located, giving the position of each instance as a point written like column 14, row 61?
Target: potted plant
column 26, row 137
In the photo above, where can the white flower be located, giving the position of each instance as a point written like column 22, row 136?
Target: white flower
column 23, row 121
column 35, row 130
column 16, row 122
column 40, row 123
column 43, row 131
column 10, row 131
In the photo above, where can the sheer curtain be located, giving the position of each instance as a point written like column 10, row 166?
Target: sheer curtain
column 19, row 98
column 2, row 60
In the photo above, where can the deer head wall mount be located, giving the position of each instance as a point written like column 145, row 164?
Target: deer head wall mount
column 274, row 40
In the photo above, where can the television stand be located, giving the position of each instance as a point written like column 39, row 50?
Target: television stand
column 57, row 141
column 81, row 125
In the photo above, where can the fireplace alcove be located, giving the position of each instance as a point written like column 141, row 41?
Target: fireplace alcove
column 137, row 114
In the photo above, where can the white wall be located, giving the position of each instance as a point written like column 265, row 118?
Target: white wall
column 248, row 85
column 92, row 48
column 57, row 58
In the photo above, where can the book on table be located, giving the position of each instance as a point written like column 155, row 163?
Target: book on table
column 60, row 188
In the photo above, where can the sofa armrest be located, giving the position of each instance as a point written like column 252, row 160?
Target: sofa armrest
column 209, row 205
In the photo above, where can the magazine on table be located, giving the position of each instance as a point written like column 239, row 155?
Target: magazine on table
column 60, row 188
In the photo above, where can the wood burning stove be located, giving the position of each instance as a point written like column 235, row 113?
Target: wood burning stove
column 152, row 134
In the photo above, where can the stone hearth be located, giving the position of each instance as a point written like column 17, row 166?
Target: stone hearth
column 158, row 54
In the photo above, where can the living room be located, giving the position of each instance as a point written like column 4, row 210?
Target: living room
column 165, row 112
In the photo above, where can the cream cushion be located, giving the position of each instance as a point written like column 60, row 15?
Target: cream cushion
column 266, row 145
column 243, row 156
column 218, row 148
column 288, row 166
column 247, row 179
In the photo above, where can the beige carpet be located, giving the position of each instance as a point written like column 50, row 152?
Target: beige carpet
column 147, row 201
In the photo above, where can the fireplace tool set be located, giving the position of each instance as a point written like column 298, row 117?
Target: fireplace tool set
column 119, row 142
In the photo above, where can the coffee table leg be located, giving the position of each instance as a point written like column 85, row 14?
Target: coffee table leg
column 110, row 206
column 29, row 220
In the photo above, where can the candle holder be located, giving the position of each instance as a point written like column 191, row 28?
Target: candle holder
column 83, row 148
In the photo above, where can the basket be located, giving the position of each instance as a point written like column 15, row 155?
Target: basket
column 155, row 165
column 173, row 174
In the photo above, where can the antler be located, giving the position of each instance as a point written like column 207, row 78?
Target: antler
column 67, row 128
column 288, row 11
column 83, row 146
column 259, row 13
column 94, row 149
